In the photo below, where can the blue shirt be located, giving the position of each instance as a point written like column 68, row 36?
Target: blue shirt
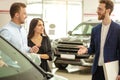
column 16, row 35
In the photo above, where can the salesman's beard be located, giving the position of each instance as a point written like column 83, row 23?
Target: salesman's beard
column 101, row 17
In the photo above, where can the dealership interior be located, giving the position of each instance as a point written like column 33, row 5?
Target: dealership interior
column 62, row 19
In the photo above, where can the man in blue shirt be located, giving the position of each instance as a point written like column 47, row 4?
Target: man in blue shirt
column 14, row 32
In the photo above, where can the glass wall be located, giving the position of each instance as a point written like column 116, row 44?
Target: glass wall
column 60, row 16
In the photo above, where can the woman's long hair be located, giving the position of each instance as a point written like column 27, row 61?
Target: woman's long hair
column 32, row 26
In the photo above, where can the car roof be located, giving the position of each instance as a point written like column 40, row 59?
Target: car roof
column 92, row 21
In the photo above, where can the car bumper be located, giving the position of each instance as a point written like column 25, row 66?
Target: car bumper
column 80, row 62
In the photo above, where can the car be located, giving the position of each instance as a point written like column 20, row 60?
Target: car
column 15, row 65
column 65, row 49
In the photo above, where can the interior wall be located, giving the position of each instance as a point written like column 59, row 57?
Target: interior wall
column 89, row 9
column 4, row 10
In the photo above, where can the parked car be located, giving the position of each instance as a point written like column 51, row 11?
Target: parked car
column 15, row 65
column 65, row 49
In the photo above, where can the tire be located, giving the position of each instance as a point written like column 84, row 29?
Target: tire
column 61, row 66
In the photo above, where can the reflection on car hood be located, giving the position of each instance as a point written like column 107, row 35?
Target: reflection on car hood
column 74, row 39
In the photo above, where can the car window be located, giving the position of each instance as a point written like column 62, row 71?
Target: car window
column 89, row 29
column 83, row 29
column 13, row 64
column 79, row 29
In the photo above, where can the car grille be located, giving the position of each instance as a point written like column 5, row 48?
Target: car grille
column 68, row 47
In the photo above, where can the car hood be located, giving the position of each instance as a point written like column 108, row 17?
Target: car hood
column 74, row 39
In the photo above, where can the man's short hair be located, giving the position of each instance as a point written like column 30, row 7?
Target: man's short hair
column 15, row 7
column 108, row 4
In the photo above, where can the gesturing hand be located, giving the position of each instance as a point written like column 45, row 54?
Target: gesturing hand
column 82, row 50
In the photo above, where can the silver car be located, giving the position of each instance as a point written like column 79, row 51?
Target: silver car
column 14, row 65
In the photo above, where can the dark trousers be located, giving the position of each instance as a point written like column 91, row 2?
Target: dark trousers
column 99, row 74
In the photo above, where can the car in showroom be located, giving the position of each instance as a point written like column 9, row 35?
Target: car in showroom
column 15, row 65
column 65, row 49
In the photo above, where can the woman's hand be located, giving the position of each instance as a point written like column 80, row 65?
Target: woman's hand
column 34, row 49
column 44, row 56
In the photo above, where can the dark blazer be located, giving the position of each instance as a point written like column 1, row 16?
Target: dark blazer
column 111, row 46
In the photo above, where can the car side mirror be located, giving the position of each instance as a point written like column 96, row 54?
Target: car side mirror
column 69, row 32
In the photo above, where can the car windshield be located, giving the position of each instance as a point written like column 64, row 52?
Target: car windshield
column 14, row 66
column 83, row 29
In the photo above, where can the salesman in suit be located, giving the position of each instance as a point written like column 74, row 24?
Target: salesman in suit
column 105, row 41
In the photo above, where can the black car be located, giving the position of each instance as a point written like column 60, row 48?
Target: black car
column 65, row 49
column 14, row 65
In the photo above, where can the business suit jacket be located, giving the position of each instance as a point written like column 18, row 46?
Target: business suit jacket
column 111, row 49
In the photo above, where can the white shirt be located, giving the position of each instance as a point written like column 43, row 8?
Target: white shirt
column 104, row 32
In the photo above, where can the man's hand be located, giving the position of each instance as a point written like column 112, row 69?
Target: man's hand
column 34, row 49
column 82, row 50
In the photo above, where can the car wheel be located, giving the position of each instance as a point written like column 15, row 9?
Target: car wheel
column 61, row 66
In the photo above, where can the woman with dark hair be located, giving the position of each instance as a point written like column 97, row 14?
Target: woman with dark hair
column 37, row 36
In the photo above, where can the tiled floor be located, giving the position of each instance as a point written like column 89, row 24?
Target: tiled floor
column 74, row 73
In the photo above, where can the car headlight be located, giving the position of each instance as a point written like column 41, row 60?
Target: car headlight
column 54, row 43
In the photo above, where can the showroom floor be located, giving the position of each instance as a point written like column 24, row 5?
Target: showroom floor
column 74, row 73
